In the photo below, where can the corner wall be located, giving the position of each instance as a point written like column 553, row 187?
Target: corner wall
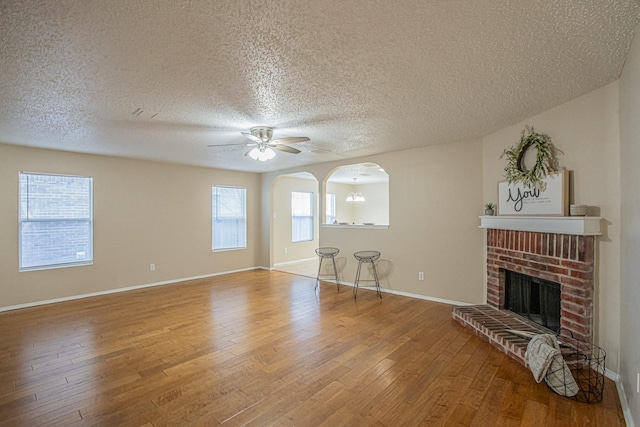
column 630, row 246
column 586, row 130
column 435, row 198
column 144, row 212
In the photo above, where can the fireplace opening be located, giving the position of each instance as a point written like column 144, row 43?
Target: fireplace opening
column 536, row 299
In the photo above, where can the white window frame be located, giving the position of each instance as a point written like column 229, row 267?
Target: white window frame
column 330, row 208
column 242, row 244
column 25, row 220
column 299, row 214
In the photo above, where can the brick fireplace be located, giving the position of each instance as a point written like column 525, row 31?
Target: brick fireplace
column 561, row 257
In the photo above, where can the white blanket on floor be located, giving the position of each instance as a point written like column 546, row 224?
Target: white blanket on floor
column 540, row 353
column 546, row 362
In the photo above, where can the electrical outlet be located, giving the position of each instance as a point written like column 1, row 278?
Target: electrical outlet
column 421, row 276
column 152, row 267
column 285, row 250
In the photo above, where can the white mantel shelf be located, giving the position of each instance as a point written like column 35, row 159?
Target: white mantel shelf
column 580, row 225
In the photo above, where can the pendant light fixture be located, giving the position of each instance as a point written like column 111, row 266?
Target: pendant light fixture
column 355, row 196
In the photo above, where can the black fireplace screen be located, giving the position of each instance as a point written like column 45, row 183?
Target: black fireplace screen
column 533, row 298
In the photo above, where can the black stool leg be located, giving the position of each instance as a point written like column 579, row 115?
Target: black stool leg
column 355, row 285
column 318, row 276
column 375, row 275
column 335, row 270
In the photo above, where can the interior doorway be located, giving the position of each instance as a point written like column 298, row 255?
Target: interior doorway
column 295, row 223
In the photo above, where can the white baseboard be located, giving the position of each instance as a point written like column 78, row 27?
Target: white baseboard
column 117, row 290
column 423, row 297
column 626, row 411
column 404, row 294
column 295, row 261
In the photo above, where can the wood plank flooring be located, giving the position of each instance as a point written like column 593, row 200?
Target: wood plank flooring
column 308, row 268
column 260, row 348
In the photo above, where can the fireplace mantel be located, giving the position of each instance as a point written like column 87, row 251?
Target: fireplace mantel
column 578, row 225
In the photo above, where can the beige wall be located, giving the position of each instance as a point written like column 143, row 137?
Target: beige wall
column 144, row 212
column 284, row 250
column 435, row 198
column 630, row 248
column 375, row 207
column 586, row 130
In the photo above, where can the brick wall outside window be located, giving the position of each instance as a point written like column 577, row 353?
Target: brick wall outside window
column 56, row 220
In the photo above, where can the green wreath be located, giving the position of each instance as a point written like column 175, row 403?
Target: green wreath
column 546, row 160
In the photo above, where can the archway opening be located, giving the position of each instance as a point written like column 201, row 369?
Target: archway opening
column 357, row 194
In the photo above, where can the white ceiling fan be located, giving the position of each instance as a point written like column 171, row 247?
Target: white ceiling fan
column 263, row 149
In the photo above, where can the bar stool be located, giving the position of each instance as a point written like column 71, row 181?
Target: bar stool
column 365, row 257
column 327, row 253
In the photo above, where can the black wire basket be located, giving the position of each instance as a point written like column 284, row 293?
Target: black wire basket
column 586, row 366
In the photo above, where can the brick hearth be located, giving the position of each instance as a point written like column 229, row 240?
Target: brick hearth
column 561, row 258
column 493, row 326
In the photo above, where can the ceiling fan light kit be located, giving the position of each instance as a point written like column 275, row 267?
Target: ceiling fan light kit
column 262, row 153
column 264, row 145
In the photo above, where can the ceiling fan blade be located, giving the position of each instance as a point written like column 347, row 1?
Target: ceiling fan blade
column 229, row 145
column 291, row 140
column 252, row 137
column 286, row 149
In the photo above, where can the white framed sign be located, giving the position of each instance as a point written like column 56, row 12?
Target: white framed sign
column 516, row 199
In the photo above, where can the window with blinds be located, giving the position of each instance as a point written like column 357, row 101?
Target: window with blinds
column 55, row 221
column 330, row 208
column 301, row 216
column 229, row 218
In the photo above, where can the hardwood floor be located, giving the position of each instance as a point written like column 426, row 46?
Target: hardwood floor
column 260, row 348
column 308, row 268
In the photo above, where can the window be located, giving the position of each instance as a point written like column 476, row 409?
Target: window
column 229, row 217
column 301, row 216
column 330, row 208
column 56, row 221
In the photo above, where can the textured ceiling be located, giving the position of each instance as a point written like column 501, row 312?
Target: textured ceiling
column 164, row 79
